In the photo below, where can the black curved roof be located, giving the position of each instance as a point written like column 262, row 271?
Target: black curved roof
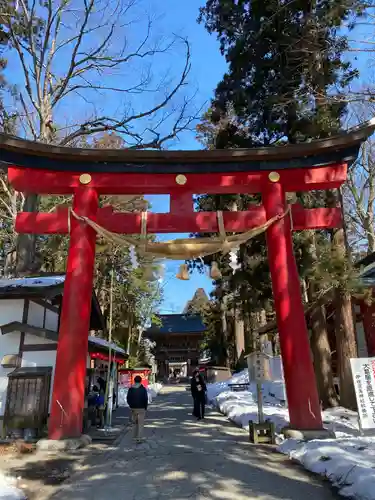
column 340, row 148
column 177, row 323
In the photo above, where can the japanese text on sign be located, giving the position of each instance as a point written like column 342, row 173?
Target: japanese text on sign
column 259, row 367
column 363, row 370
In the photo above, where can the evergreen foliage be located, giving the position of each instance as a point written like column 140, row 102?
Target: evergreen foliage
column 286, row 75
column 285, row 83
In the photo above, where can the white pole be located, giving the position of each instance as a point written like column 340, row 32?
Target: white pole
column 283, row 382
column 260, row 402
column 109, row 385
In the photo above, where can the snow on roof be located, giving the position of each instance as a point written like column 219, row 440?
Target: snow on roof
column 106, row 344
column 37, row 281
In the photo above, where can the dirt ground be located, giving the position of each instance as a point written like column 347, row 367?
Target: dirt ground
column 39, row 474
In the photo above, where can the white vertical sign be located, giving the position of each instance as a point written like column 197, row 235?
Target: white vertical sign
column 259, row 367
column 363, row 370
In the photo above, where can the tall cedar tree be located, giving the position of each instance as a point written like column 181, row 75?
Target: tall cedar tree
column 285, row 84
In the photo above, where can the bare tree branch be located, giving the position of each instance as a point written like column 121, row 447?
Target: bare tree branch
column 359, row 191
column 106, row 123
column 88, row 36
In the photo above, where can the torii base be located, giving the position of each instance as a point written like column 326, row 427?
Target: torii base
column 308, row 434
column 59, row 445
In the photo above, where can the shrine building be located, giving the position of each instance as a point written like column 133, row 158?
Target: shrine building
column 178, row 338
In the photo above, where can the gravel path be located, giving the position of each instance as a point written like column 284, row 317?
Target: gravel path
column 183, row 459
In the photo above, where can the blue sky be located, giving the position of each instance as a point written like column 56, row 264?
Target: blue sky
column 176, row 292
column 208, row 67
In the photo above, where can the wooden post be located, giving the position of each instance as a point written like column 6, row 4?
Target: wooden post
column 260, row 402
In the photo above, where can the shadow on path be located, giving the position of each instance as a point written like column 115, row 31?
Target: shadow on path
column 183, row 458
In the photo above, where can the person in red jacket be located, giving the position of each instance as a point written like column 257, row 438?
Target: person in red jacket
column 137, row 399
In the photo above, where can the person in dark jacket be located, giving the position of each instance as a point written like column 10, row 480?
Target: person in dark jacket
column 100, row 405
column 198, row 391
column 137, row 399
column 102, row 384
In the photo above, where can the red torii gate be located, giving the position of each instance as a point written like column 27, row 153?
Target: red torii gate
column 87, row 174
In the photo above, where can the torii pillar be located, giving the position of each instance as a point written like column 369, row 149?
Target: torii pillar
column 293, row 334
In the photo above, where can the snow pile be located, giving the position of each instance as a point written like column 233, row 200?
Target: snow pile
column 241, row 407
column 343, row 422
column 8, row 489
column 153, row 390
column 39, row 281
column 347, row 462
column 214, row 389
column 274, row 390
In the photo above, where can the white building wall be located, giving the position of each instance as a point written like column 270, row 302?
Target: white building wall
column 41, row 358
column 11, row 310
column 9, row 344
column 35, row 315
column 52, row 320
column 34, row 339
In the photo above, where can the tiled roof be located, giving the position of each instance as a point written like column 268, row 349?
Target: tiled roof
column 178, row 323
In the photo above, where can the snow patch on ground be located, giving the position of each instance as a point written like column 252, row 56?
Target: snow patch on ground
column 8, row 489
column 347, row 461
column 241, row 407
column 153, row 390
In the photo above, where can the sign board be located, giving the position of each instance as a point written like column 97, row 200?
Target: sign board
column 127, row 376
column 124, row 379
column 258, row 364
column 363, row 370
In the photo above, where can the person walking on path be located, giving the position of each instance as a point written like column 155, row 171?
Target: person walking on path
column 137, row 399
column 198, row 391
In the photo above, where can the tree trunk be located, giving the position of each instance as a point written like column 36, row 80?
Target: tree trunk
column 10, row 263
column 370, row 233
column 224, row 326
column 319, row 342
column 346, row 343
column 239, row 335
column 322, row 358
column 28, row 262
column 262, row 321
column 346, row 347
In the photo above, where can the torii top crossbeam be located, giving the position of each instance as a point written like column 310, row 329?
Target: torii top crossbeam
column 47, row 169
column 89, row 173
column 335, row 149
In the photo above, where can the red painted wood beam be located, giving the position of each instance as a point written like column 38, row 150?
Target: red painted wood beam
column 181, row 204
column 50, row 182
column 190, row 222
column 316, row 218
